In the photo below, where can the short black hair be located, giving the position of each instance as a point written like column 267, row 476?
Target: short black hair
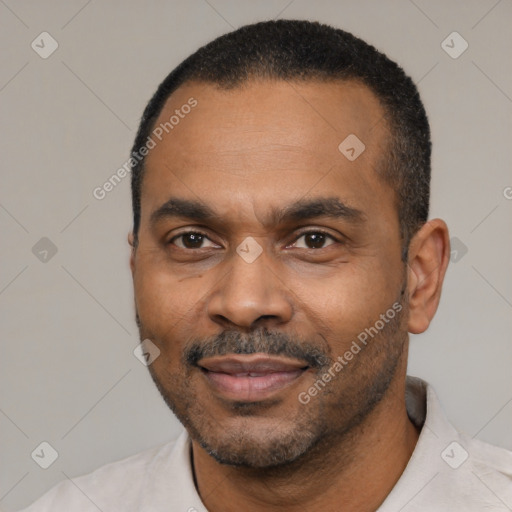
column 306, row 50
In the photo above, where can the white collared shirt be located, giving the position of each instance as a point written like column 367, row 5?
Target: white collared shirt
column 448, row 471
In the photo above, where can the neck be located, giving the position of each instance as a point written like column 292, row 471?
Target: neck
column 354, row 473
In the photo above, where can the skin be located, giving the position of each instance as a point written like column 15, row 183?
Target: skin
column 244, row 152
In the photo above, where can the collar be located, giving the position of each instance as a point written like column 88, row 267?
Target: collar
column 425, row 464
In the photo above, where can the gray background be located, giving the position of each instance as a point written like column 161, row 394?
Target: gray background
column 68, row 374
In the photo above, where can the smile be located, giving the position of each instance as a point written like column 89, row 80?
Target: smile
column 250, row 377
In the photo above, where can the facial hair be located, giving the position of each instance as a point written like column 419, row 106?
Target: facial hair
column 309, row 429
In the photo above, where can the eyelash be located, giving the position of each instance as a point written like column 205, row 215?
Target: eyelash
column 301, row 234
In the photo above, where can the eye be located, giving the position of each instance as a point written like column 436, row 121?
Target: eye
column 191, row 240
column 314, row 240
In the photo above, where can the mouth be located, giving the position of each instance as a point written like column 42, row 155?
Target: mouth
column 250, row 377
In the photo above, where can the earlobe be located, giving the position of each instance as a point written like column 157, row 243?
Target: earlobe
column 132, row 254
column 428, row 260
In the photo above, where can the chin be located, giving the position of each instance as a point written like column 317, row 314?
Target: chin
column 273, row 445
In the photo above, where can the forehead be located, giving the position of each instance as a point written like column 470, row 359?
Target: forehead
column 266, row 142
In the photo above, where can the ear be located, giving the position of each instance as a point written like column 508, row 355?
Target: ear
column 131, row 241
column 429, row 255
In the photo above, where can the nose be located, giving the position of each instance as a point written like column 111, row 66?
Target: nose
column 250, row 295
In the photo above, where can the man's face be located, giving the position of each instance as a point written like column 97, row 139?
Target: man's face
column 256, row 171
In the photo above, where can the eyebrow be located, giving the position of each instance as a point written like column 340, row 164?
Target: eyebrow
column 304, row 209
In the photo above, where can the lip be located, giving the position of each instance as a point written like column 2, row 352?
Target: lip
column 250, row 377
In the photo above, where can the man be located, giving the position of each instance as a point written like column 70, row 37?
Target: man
column 281, row 253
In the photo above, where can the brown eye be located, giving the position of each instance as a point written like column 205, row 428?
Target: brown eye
column 191, row 240
column 314, row 240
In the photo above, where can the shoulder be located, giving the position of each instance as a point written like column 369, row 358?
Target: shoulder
column 491, row 468
column 117, row 486
column 490, row 456
column 449, row 470
column 470, row 471
column 474, row 476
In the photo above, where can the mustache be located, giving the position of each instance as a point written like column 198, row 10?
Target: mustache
column 316, row 355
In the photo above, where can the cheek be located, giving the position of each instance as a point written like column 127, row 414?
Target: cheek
column 165, row 303
column 351, row 299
